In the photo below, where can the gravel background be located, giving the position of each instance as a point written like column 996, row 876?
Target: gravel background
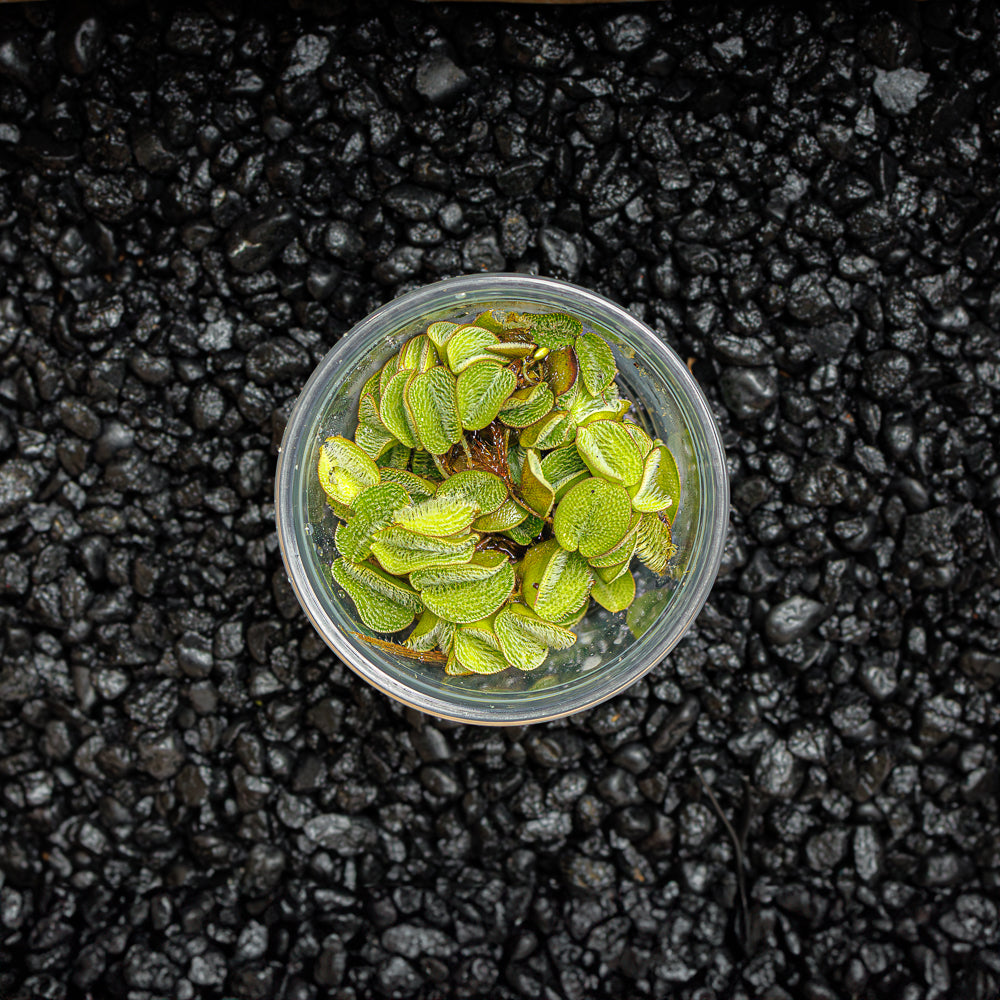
column 196, row 800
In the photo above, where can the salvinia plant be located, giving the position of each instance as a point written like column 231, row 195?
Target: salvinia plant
column 495, row 484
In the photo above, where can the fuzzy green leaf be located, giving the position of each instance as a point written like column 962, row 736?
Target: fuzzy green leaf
column 527, row 406
column 554, row 330
column 522, row 619
column 508, row 515
column 418, row 354
column 423, row 466
column 621, row 550
column 437, row 516
column 556, row 429
column 519, row 650
column 482, row 389
column 536, row 491
column 345, row 470
column 373, row 509
column 617, row 595
column 609, row 452
column 478, row 651
column 466, row 601
column 417, row 488
column 384, row 603
column 527, row 531
column 511, row 349
column 400, row 551
column 555, row 583
column 467, row 345
column 592, row 517
column 397, row 457
column 639, row 437
column 659, row 489
column 653, row 545
column 373, row 439
column 392, row 410
column 597, row 363
column 564, row 468
column 484, row 489
column 432, row 405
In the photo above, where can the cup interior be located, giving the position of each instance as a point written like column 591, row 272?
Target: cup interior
column 612, row 650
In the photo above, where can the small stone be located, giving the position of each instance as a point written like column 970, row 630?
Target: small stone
column 560, row 252
column 899, row 89
column 777, row 772
column 748, row 392
column 439, row 80
column 18, row 483
column 259, row 237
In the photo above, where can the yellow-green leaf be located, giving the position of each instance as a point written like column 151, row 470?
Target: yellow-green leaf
column 527, row 406
column 515, row 462
column 640, row 438
column 390, row 368
column 424, row 466
column 417, row 488
column 556, row 429
column 597, row 362
column 527, row 531
column 555, row 583
column 609, row 452
column 564, row 468
column 384, row 603
column 607, row 574
column 592, row 517
column 536, row 491
column 368, row 402
column 482, row 389
column 465, row 601
column 521, row 618
column 511, row 349
column 653, row 545
column 617, row 595
column 392, row 410
column 623, row 549
column 374, row 440
column 484, row 489
column 373, row 509
column 478, row 651
column 417, row 354
column 345, row 470
column 554, row 330
column 397, row 457
column 508, row 515
column 437, row 516
column 401, row 552
column 659, row 489
column 519, row 650
column 432, row 404
column 467, row 345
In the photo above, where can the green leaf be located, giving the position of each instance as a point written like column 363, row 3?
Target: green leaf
column 659, row 489
column 424, row 636
column 555, row 583
column 417, row 488
column 392, row 410
column 345, row 470
column 639, row 437
column 512, row 349
column 527, row 406
column 552, row 431
column 437, row 516
column 400, row 551
column 561, row 370
column 384, row 603
column 478, row 651
column 592, row 517
column 597, row 363
column 519, row 650
column 622, row 550
column 481, row 568
column 417, row 354
column 554, row 330
column 617, row 595
column 373, row 509
column 432, row 405
column 492, row 320
column 564, row 468
column 467, row 345
column 608, row 574
column 368, row 402
column 439, row 334
column 608, row 404
column 527, row 531
column 466, row 601
column 482, row 389
column 373, row 440
column 390, row 368
column 483, row 489
column 508, row 515
column 397, row 457
column 653, row 545
column 515, row 462
column 521, row 618
column 536, row 491
column 609, row 452
column 423, row 466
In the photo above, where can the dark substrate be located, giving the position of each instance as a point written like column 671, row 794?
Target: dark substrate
column 196, row 800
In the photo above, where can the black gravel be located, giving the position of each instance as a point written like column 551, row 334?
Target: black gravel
column 197, row 800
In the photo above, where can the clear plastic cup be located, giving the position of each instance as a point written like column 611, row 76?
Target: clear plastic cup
column 613, row 651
